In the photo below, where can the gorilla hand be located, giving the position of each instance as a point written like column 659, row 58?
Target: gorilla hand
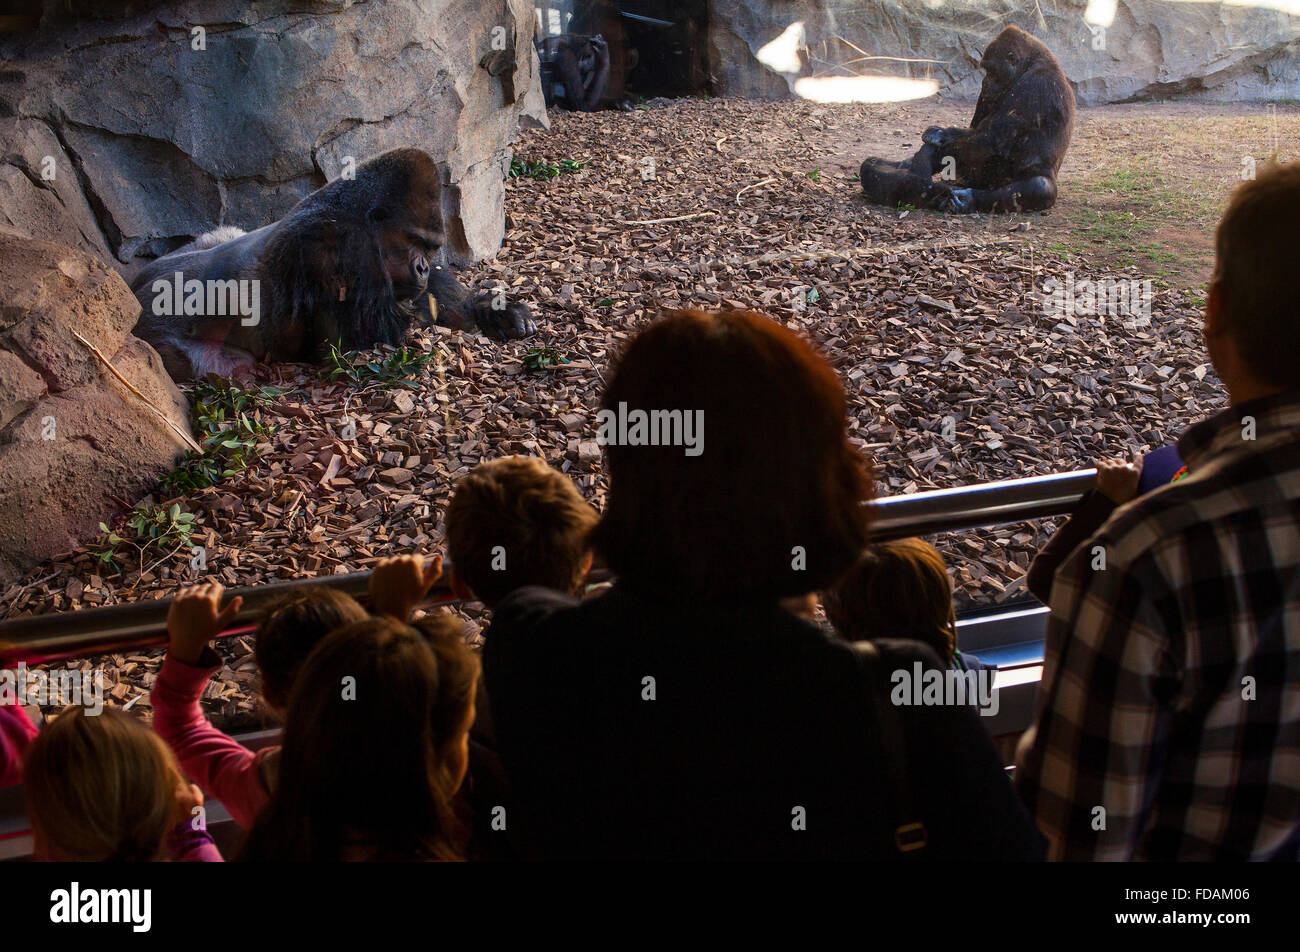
column 601, row 46
column 933, row 135
column 959, row 200
column 510, row 321
column 938, row 136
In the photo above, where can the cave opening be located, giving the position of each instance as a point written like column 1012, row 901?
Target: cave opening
column 657, row 47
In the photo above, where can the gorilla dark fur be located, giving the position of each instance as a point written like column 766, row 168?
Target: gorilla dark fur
column 350, row 263
column 1008, row 159
column 579, row 65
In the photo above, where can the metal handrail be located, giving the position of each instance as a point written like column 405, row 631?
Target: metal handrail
column 974, row 507
column 142, row 624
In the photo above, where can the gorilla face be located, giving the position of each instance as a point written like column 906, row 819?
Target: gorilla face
column 407, row 250
column 1005, row 60
column 409, row 235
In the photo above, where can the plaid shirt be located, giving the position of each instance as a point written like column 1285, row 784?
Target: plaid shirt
column 1171, row 684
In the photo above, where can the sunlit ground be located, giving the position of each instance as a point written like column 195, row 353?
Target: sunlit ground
column 872, row 89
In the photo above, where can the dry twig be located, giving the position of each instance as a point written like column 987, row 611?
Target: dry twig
column 186, row 440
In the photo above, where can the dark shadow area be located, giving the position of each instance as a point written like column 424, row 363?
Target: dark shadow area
column 656, row 47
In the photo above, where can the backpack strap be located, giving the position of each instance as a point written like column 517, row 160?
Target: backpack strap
column 910, row 835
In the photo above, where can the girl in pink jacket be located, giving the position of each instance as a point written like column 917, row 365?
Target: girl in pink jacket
column 290, row 628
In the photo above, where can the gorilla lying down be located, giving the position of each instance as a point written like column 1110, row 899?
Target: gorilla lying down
column 1008, row 159
column 350, row 263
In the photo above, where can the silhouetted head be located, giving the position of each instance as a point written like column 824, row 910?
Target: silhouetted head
column 291, row 626
column 375, row 746
column 896, row 589
column 515, row 521
column 764, row 500
column 1252, row 326
column 101, row 788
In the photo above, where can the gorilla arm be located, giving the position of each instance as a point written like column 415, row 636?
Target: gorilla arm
column 987, row 104
column 490, row 310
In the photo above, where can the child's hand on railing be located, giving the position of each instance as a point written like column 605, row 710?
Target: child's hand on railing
column 1117, row 479
column 186, row 797
column 195, row 618
column 399, row 584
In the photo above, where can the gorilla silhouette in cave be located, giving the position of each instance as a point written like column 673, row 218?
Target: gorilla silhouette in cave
column 608, row 53
column 575, row 71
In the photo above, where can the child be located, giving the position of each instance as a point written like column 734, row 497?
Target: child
column 515, row 521
column 375, row 746
column 105, row 788
column 511, row 522
column 289, row 629
column 899, row 589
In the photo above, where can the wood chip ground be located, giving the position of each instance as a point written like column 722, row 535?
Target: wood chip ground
column 712, row 204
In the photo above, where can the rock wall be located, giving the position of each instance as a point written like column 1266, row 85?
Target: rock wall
column 73, row 439
column 1146, row 49
column 130, row 127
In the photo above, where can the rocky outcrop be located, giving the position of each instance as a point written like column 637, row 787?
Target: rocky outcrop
column 133, row 128
column 1111, row 50
column 74, row 442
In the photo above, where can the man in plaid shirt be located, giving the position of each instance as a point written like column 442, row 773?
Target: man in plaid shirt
column 1169, row 711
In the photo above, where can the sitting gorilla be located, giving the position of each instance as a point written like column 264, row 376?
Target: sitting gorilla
column 575, row 70
column 349, row 264
column 576, row 73
column 1008, row 159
